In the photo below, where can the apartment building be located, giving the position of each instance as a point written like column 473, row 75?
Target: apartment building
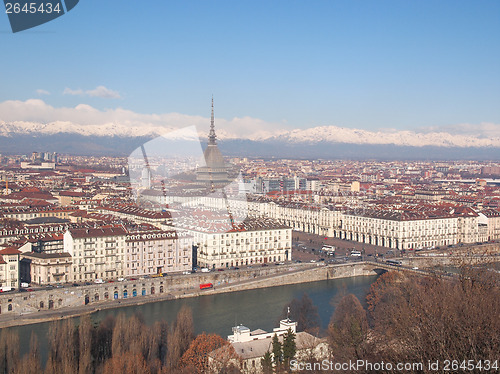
column 97, row 253
column 222, row 243
column 9, row 267
column 156, row 252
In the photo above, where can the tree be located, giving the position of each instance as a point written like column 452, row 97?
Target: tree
column 289, row 347
column 267, row 363
column 9, row 351
column 304, row 312
column 119, row 344
column 102, row 347
column 126, row 364
column 161, row 332
column 63, row 348
column 85, row 333
column 196, row 356
column 379, row 288
column 181, row 337
column 348, row 329
column 277, row 352
column 427, row 318
column 30, row 364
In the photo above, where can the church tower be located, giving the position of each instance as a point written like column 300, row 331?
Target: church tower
column 215, row 171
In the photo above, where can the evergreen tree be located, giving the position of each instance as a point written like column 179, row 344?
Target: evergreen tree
column 267, row 363
column 277, row 352
column 289, row 346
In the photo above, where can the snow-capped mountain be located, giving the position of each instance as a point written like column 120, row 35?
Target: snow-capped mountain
column 329, row 134
column 35, row 117
column 34, row 125
column 334, row 134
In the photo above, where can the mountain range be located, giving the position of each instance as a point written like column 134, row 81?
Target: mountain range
column 325, row 142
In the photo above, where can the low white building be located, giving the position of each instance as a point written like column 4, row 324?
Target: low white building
column 251, row 346
column 46, row 268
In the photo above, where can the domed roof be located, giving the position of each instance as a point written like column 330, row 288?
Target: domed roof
column 213, row 157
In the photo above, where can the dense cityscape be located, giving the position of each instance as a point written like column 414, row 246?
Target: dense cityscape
column 88, row 222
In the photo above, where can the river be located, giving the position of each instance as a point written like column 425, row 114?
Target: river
column 259, row 308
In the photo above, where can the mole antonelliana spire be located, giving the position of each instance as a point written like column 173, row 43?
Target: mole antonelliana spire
column 216, row 170
column 212, row 138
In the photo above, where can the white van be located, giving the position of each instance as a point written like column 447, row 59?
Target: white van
column 99, row 281
column 355, row 253
column 205, row 270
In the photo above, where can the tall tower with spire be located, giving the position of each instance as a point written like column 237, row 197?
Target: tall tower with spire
column 212, row 138
column 215, row 171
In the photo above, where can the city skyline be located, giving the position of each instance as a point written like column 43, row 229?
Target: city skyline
column 393, row 70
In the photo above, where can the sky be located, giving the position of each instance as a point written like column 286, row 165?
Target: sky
column 372, row 65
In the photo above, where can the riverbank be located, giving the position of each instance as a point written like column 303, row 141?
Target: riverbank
column 282, row 276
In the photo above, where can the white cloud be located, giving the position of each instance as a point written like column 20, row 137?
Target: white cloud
column 99, row 91
column 69, row 91
column 104, row 92
column 42, row 92
column 36, row 115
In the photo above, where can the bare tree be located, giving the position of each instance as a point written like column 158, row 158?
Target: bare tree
column 63, row 348
column 30, row 364
column 181, row 337
column 304, row 312
column 9, row 351
column 85, row 334
column 420, row 319
column 348, row 329
column 102, row 347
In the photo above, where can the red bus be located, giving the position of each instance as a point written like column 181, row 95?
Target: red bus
column 205, row 286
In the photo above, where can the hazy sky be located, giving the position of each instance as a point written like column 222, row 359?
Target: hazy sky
column 359, row 64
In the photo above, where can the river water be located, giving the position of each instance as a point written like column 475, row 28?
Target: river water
column 259, row 308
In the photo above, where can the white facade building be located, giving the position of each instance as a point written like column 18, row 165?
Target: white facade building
column 222, row 244
column 98, row 253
